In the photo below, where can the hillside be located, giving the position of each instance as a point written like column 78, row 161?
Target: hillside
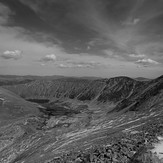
column 102, row 90
column 82, row 120
column 147, row 96
column 13, row 107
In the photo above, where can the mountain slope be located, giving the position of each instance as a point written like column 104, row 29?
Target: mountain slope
column 78, row 123
column 103, row 90
column 13, row 107
column 146, row 97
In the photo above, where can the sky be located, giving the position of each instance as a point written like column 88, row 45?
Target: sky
column 103, row 38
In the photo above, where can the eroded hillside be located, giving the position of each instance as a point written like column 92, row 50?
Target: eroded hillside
column 82, row 120
column 102, row 90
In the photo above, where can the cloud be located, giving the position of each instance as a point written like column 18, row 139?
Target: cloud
column 99, row 24
column 78, row 64
column 131, row 22
column 137, row 55
column 68, row 65
column 15, row 54
column 4, row 14
column 147, row 62
column 114, row 55
column 48, row 58
column 135, row 21
column 109, row 32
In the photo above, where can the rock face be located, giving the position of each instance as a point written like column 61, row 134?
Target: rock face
column 80, row 120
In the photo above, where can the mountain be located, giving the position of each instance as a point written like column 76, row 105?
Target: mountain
column 102, row 90
column 11, row 81
column 146, row 97
column 72, row 119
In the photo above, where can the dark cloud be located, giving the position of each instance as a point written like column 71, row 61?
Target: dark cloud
column 53, row 18
column 91, row 26
column 24, row 16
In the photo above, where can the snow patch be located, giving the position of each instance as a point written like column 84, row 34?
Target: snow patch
column 158, row 148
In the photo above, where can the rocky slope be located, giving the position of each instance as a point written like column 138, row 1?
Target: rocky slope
column 102, row 90
column 145, row 97
column 82, row 120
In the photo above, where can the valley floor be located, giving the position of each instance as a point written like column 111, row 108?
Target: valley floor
column 93, row 137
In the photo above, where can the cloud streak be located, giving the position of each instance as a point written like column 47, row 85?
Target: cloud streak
column 115, row 32
column 81, row 64
column 137, row 55
column 107, row 24
column 147, row 62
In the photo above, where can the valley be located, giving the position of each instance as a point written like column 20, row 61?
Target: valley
column 67, row 119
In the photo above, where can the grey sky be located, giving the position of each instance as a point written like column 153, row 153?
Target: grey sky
column 89, row 37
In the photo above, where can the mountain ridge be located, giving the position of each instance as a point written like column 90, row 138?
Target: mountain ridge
column 83, row 89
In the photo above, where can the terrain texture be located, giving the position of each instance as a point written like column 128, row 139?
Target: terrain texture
column 66, row 119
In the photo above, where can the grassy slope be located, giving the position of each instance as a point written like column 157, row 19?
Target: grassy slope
column 13, row 107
